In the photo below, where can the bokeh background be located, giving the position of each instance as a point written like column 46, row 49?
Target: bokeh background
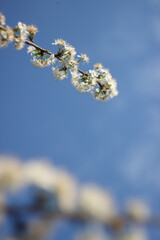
column 115, row 144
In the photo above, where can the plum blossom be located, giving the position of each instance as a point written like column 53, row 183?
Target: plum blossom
column 59, row 73
column 2, row 19
column 11, row 176
column 138, row 210
column 96, row 203
column 59, row 42
column 20, row 41
column 84, row 58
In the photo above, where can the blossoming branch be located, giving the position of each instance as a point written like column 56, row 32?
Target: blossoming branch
column 98, row 81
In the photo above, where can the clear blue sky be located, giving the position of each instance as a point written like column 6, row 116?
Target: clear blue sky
column 115, row 144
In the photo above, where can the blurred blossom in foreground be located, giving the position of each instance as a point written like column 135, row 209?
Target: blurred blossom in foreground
column 96, row 203
column 66, row 190
column 138, row 210
column 40, row 174
column 11, row 175
column 54, row 194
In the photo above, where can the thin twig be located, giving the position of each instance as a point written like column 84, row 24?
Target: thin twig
column 38, row 47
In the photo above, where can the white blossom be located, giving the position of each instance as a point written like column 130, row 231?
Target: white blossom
column 93, row 73
column 20, row 41
column 96, row 203
column 66, row 54
column 58, row 182
column 10, row 34
column 31, row 50
column 138, row 210
column 39, row 63
column 100, row 95
column 23, row 30
column 75, row 78
column 60, row 42
column 84, row 57
column 70, row 51
column 2, row 19
column 51, row 60
column 32, row 29
column 58, row 73
column 67, row 57
column 113, row 88
column 11, row 176
column 105, row 85
column 82, row 84
column 65, row 189
column 98, row 66
column 7, row 36
column 84, row 87
column 40, row 174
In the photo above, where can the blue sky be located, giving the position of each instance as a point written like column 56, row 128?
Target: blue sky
column 114, row 144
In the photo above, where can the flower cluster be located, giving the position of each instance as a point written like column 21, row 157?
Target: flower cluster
column 23, row 34
column 97, row 81
column 19, row 34
column 40, row 58
column 6, row 34
column 58, row 194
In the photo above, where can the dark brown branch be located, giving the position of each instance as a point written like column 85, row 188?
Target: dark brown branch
column 38, row 47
